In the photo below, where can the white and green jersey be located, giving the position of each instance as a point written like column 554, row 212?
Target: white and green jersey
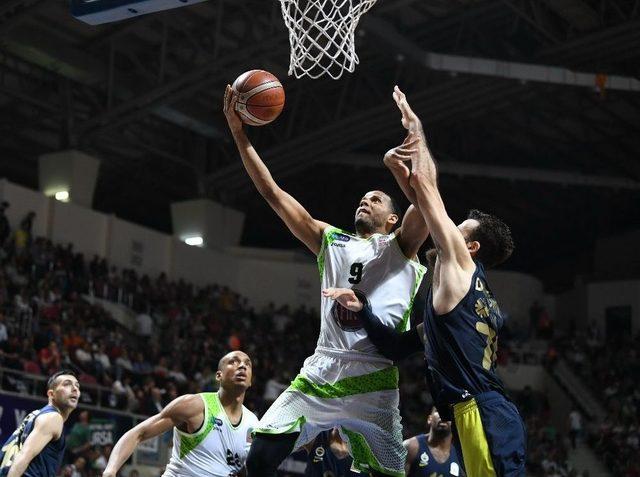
column 217, row 449
column 377, row 267
column 346, row 383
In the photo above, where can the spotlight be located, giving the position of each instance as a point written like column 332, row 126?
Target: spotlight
column 62, row 196
column 194, row 241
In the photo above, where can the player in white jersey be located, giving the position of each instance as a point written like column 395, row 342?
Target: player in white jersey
column 346, row 383
column 211, row 431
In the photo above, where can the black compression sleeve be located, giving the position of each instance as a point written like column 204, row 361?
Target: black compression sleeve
column 391, row 343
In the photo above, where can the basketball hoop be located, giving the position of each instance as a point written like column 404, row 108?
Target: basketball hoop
column 322, row 35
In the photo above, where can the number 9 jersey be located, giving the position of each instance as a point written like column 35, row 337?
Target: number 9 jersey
column 375, row 266
column 346, row 383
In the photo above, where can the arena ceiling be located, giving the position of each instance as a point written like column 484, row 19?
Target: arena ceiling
column 560, row 163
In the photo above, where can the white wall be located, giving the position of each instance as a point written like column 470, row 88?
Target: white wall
column 202, row 266
column 515, row 292
column 140, row 248
column 291, row 283
column 602, row 295
column 83, row 227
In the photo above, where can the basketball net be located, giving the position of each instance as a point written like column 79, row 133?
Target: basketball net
column 322, row 35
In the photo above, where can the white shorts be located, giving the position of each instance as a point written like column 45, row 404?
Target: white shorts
column 355, row 392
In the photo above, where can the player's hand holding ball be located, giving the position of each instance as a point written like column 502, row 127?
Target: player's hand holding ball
column 230, row 100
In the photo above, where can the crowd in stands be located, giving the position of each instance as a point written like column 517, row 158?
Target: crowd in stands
column 547, row 446
column 610, row 369
column 50, row 320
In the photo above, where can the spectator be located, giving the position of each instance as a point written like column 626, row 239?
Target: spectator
column 144, row 325
column 76, row 469
column 4, row 335
column 98, row 459
column 5, row 228
column 79, row 439
column 50, row 358
column 123, row 363
column 23, row 237
column 575, row 426
column 101, row 358
column 85, row 357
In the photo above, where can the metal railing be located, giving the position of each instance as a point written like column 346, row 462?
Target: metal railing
column 27, row 384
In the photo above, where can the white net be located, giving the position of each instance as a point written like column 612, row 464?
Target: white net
column 322, row 35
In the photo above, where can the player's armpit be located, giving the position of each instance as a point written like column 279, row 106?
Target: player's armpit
column 47, row 428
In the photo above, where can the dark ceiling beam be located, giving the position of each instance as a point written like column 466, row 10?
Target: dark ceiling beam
column 118, row 30
column 615, row 37
column 616, row 152
column 519, row 8
column 398, row 42
column 492, row 171
column 79, row 66
column 172, row 90
column 439, row 102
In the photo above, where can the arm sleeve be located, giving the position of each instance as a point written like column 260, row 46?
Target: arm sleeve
column 391, row 343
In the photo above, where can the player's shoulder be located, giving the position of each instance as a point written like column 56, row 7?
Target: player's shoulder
column 331, row 231
column 412, row 444
column 50, row 421
column 186, row 405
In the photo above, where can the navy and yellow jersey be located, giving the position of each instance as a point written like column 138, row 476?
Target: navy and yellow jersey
column 322, row 462
column 461, row 346
column 425, row 465
column 46, row 463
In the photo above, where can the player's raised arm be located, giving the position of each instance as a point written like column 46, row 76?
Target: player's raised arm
column 47, row 428
column 295, row 216
column 447, row 237
column 175, row 414
column 413, row 231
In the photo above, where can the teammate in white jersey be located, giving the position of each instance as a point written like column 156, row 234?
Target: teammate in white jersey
column 346, row 383
column 211, row 431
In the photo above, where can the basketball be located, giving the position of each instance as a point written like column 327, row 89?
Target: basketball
column 260, row 97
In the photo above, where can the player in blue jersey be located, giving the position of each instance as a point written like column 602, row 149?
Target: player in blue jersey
column 36, row 447
column 328, row 456
column 431, row 454
column 461, row 321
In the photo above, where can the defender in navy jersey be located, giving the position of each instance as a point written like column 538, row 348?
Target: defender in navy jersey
column 36, row 447
column 431, row 454
column 328, row 456
column 461, row 321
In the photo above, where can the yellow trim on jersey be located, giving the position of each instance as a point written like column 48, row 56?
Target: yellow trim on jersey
column 475, row 448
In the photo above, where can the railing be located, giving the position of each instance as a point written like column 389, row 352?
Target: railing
column 23, row 383
column 578, row 390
